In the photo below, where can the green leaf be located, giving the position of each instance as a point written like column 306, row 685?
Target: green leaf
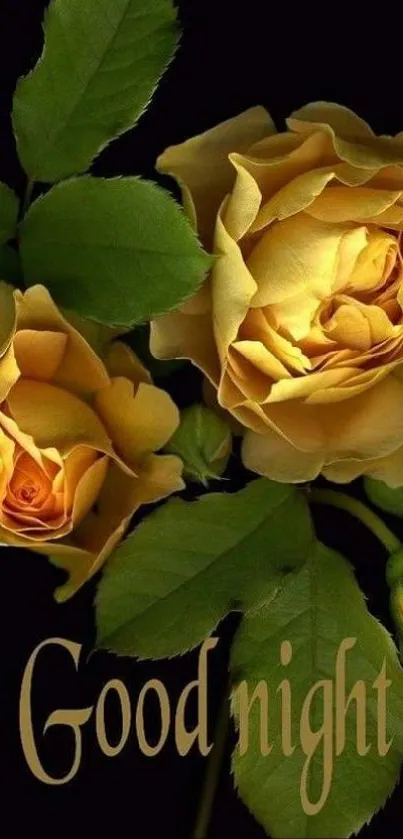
column 315, row 610
column 8, row 213
column 187, row 565
column 102, row 60
column 10, row 265
column 117, row 251
column 382, row 496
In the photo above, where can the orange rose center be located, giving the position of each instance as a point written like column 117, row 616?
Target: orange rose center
column 29, row 484
column 30, row 489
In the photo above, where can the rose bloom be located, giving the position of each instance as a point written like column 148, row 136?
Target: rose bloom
column 77, row 439
column 299, row 326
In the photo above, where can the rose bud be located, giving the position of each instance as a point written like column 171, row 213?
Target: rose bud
column 203, row 442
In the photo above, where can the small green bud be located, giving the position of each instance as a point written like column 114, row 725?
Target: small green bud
column 396, row 607
column 203, row 441
column 382, row 496
column 394, row 568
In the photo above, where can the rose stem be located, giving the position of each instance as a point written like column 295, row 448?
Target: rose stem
column 214, row 765
column 360, row 511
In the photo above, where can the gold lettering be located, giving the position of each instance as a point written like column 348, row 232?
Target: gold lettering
column 184, row 738
column 286, row 703
column 310, row 741
column 124, row 699
column 72, row 718
column 160, row 690
column 358, row 694
column 245, row 707
column 381, row 684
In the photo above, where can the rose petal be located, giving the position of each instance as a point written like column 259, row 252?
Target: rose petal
column 199, row 303
column 8, row 316
column 7, row 448
column 76, row 464
column 356, row 384
column 251, row 382
column 295, row 255
column 391, row 218
column 201, row 165
column 88, row 489
column 76, row 561
column 285, row 157
column 9, row 373
column 349, row 328
column 233, row 288
column 139, row 421
column 177, row 335
column 375, row 262
column 161, row 477
column 258, row 325
column 299, row 194
column 273, row 147
column 353, row 140
column 122, row 361
column 272, row 456
column 243, row 204
column 388, row 469
column 352, row 244
column 368, row 425
column 81, row 369
column 39, row 354
column 33, row 532
column 304, row 387
column 27, row 443
column 344, row 121
column 229, row 393
column 54, row 417
column 262, row 358
column 345, row 204
column 299, row 423
column 296, row 314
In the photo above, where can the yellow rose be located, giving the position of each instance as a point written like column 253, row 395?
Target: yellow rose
column 77, row 439
column 299, row 327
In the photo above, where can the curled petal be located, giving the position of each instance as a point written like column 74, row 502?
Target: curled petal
column 9, row 373
column 203, row 160
column 353, row 140
column 233, row 288
column 39, row 354
column 178, row 335
column 299, row 194
column 80, row 369
column 56, row 418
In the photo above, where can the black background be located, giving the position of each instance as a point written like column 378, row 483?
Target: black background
column 231, row 57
